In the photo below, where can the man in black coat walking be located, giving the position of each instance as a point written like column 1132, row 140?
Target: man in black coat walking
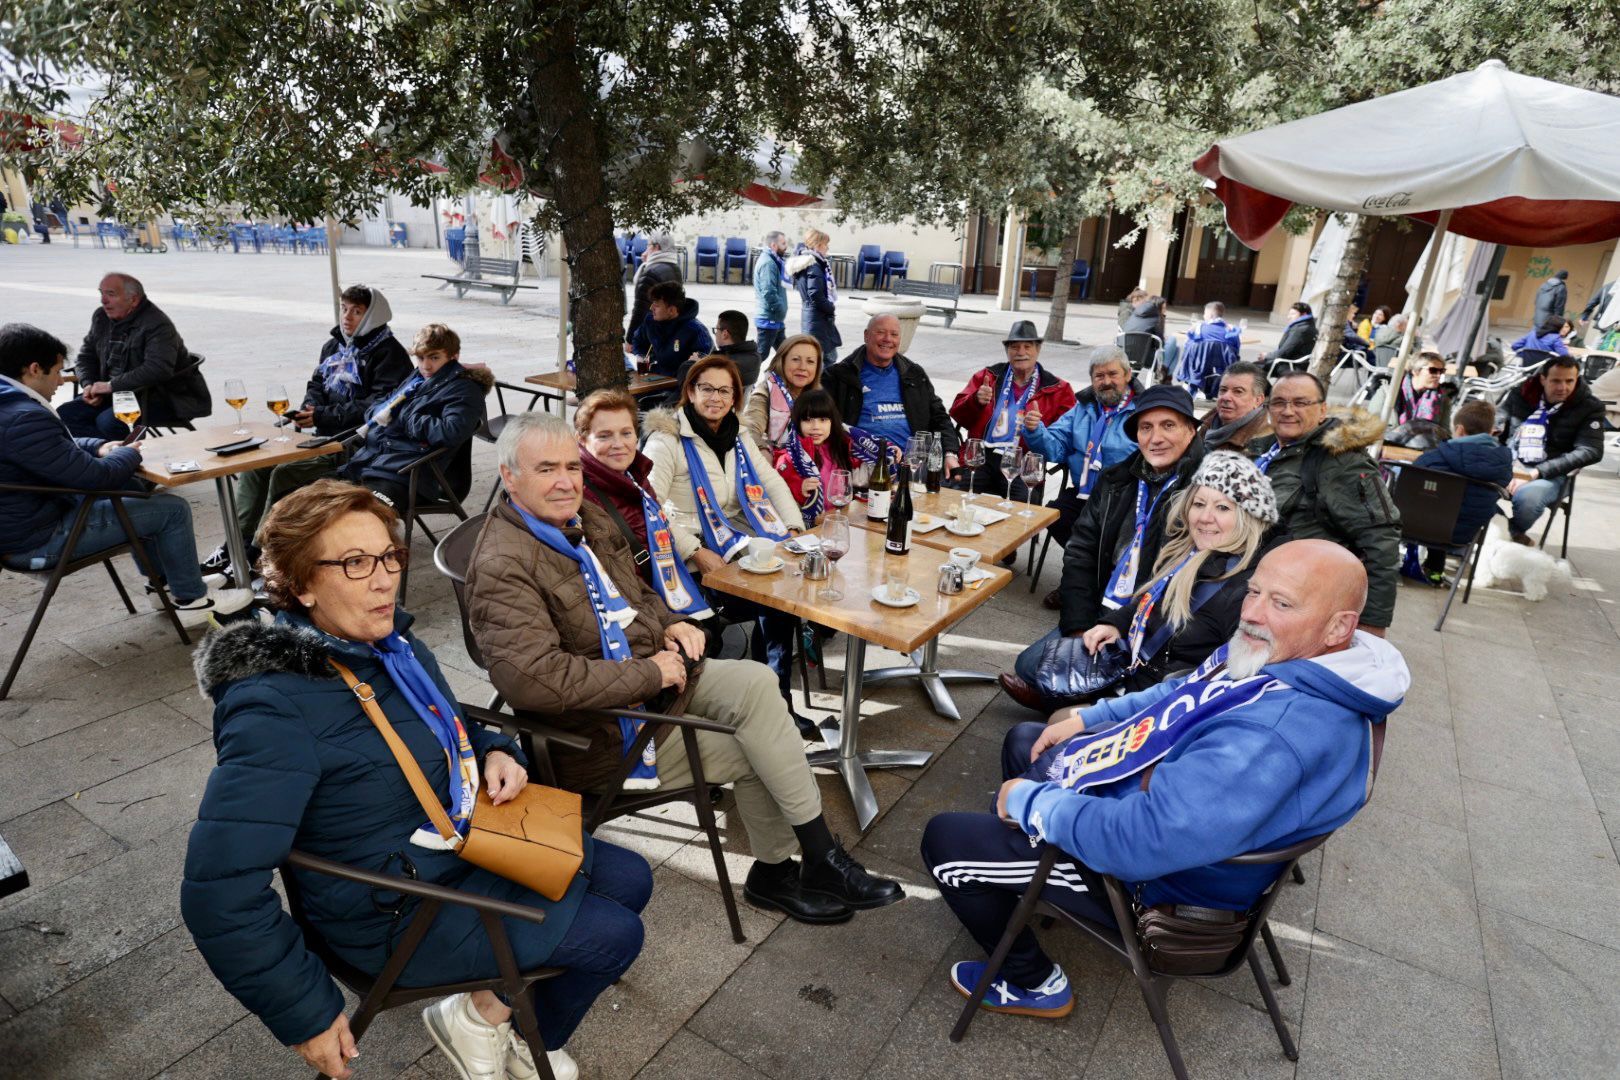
column 1551, row 298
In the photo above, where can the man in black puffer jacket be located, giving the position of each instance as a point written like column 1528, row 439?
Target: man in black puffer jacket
column 133, row 346
column 1554, row 425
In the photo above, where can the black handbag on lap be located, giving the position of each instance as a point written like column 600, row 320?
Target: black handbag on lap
column 1068, row 671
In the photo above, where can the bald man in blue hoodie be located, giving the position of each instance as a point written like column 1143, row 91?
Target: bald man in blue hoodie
column 1268, row 743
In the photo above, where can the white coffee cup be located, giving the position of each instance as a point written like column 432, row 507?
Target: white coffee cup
column 761, row 549
column 966, row 558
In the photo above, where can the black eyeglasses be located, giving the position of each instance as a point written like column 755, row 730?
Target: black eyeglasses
column 360, row 567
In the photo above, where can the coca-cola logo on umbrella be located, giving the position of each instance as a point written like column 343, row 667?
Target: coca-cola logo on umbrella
column 1387, row 202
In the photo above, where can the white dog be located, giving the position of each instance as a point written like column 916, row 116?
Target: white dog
column 1506, row 564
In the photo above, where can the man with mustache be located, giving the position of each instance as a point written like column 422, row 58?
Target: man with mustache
column 1264, row 747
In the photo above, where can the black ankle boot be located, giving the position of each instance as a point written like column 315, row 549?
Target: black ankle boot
column 837, row 875
column 776, row 888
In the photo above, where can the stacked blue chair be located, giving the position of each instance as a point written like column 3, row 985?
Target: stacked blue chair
column 895, row 264
column 869, row 261
column 736, row 257
column 708, row 254
column 1081, row 275
column 638, row 250
column 455, row 242
column 397, row 235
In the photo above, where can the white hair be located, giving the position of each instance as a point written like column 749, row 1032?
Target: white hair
column 132, row 286
column 520, row 426
column 1109, row 354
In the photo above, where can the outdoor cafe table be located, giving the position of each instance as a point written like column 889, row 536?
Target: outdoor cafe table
column 559, row 384
column 157, row 453
column 862, row 619
column 994, row 544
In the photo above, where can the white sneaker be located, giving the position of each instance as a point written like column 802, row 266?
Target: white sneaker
column 520, row 1064
column 216, row 602
column 476, row 1048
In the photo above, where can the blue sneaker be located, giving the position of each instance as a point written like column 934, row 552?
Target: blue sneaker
column 1052, row 999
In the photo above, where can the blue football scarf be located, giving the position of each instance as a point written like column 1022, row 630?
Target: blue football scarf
column 1263, row 462
column 1004, row 420
column 865, row 446
column 1144, row 610
column 1530, row 441
column 340, row 372
column 613, row 613
column 1122, row 583
column 670, row 576
column 441, row 718
column 1094, row 758
column 1094, row 463
column 406, row 389
column 761, row 516
column 804, row 463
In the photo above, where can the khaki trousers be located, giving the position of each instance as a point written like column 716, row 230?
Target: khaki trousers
column 764, row 760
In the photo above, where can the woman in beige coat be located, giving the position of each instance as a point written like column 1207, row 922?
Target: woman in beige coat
column 794, row 370
column 704, row 429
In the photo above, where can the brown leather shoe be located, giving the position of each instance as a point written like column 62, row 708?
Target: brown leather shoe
column 1053, row 601
column 1521, row 538
column 1023, row 693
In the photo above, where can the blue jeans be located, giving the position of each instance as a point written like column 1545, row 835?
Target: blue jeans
column 163, row 523
column 1531, row 500
column 87, row 421
column 1029, row 661
column 768, row 340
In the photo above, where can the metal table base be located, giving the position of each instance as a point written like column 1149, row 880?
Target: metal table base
column 843, row 741
column 240, row 570
column 926, row 669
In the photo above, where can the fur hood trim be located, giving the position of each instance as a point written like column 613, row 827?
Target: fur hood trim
column 481, row 375
column 663, row 421
column 242, row 650
column 1356, row 429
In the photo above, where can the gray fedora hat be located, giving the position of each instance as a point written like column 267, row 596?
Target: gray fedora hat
column 1022, row 330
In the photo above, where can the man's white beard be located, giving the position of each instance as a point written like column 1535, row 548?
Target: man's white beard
column 1245, row 656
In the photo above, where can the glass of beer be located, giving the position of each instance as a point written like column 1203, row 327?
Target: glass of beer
column 276, row 399
column 236, row 398
column 126, row 407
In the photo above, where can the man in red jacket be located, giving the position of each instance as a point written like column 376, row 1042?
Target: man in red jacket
column 1003, row 400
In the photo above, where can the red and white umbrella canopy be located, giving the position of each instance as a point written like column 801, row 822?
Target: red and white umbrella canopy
column 1518, row 160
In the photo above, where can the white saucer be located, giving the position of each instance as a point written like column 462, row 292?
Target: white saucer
column 881, row 595
column 955, row 529
column 747, row 563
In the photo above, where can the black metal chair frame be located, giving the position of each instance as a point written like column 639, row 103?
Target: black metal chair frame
column 1121, row 940
column 381, row 992
column 1566, row 503
column 68, row 563
column 414, row 509
column 1471, row 551
column 1036, row 566
column 536, row 737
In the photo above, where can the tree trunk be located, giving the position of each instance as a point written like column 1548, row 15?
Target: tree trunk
column 562, row 126
column 1059, row 313
column 1336, row 309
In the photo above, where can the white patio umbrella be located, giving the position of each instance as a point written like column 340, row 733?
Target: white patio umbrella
column 1490, row 154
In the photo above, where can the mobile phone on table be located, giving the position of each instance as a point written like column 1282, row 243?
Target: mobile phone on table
column 135, row 436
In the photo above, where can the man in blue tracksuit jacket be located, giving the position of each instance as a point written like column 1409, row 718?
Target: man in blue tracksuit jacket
column 1276, row 759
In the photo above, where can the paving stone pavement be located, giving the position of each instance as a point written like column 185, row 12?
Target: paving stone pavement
column 1466, row 924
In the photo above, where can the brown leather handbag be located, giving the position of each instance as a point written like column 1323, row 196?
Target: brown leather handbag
column 537, row 839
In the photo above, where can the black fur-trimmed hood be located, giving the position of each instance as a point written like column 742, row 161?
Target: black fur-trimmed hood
column 244, row 649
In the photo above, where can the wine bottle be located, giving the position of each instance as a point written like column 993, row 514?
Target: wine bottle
column 897, row 537
column 878, row 487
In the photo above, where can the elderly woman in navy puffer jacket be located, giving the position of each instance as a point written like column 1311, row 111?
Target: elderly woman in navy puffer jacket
column 301, row 766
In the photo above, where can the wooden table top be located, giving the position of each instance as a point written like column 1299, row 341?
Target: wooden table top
column 1405, row 455
column 190, row 446
column 857, row 574
column 995, row 543
column 566, row 381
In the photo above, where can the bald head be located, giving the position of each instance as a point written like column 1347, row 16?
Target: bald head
column 1304, row 600
column 882, row 339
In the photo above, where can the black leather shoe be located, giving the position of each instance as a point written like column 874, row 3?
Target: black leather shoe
column 1053, row 601
column 838, row 875
column 776, row 888
column 808, row 730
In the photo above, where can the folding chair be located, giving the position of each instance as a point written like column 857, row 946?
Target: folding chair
column 453, row 556
column 1566, row 503
column 1429, row 501
column 381, row 992
column 1143, row 350
column 70, row 562
column 1121, row 940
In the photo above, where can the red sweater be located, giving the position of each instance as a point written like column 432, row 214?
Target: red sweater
column 1052, row 398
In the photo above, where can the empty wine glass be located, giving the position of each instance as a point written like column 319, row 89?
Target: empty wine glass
column 837, row 484
column 918, row 449
column 835, row 544
column 278, row 402
column 973, row 458
column 1032, row 470
column 1010, row 467
column 236, row 397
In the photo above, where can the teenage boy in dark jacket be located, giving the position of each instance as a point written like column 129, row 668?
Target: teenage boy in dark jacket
column 37, row 448
column 1554, row 425
column 1472, row 451
column 671, row 333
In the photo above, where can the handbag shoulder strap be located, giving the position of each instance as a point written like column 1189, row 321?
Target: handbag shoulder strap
column 637, row 548
column 407, row 764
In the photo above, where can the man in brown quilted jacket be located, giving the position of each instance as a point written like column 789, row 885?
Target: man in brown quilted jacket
column 544, row 597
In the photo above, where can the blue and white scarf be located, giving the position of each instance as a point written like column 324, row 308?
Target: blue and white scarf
column 406, row 389
column 1094, row 463
column 340, row 372
column 866, row 446
column 718, row 534
column 804, row 463
column 670, row 576
column 1530, row 441
column 441, row 718
column 613, row 613
column 1263, row 462
column 1144, row 609
column 1122, row 583
column 1003, row 427
column 1094, row 758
